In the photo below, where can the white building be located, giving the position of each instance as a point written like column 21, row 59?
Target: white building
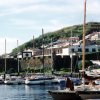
column 78, row 49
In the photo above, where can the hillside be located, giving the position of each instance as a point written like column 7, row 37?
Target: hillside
column 62, row 33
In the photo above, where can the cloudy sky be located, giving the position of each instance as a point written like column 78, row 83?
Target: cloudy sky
column 21, row 19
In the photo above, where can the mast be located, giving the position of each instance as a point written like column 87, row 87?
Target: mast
column 18, row 59
column 71, row 56
column 84, row 32
column 33, row 51
column 83, row 46
column 51, row 57
column 33, row 45
column 5, row 61
column 43, row 50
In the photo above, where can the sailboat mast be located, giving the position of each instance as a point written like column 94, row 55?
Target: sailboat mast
column 33, row 46
column 51, row 56
column 71, row 55
column 43, row 49
column 84, row 32
column 5, row 61
column 18, row 58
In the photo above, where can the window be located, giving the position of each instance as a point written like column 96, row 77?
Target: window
column 79, row 50
column 86, row 50
column 58, row 51
column 93, row 50
column 72, row 50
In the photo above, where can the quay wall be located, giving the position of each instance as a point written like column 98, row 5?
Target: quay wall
column 58, row 62
column 11, row 65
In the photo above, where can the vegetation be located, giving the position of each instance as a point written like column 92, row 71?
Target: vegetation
column 87, row 64
column 62, row 33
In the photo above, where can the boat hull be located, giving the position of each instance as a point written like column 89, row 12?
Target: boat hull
column 12, row 82
column 89, row 94
column 64, row 95
column 74, row 95
column 41, row 81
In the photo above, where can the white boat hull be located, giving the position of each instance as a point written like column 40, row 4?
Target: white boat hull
column 39, row 81
column 33, row 82
column 14, row 80
column 97, row 81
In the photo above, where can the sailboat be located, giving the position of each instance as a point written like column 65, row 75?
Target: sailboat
column 11, row 80
column 83, row 91
column 40, row 79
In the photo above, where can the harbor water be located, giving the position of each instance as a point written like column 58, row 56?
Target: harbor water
column 26, row 92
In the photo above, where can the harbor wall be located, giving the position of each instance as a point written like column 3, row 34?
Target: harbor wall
column 11, row 65
column 58, row 62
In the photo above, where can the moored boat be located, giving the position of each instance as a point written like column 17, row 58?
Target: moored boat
column 1, row 79
column 83, row 91
column 38, row 80
column 80, row 92
column 13, row 80
column 64, row 95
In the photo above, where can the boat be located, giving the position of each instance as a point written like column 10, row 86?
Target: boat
column 74, row 95
column 64, row 95
column 81, row 92
column 13, row 80
column 43, row 78
column 1, row 79
column 91, row 76
column 8, row 79
column 39, row 80
column 94, row 71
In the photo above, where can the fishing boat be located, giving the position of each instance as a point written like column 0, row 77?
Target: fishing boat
column 81, row 92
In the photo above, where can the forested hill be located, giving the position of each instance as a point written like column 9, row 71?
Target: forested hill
column 62, row 33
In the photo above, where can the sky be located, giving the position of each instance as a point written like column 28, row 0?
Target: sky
column 21, row 19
